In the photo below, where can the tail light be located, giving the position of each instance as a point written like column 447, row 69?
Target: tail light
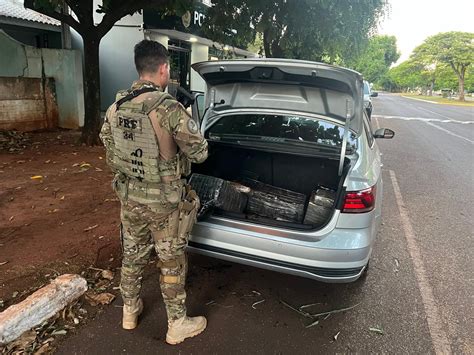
column 359, row 201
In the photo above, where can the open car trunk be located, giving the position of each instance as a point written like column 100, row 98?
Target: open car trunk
column 262, row 171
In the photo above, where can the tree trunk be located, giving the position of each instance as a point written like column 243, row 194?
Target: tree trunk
column 266, row 44
column 92, row 119
column 461, row 84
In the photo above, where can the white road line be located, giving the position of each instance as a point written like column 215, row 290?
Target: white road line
column 423, row 119
column 449, row 132
column 438, row 336
column 414, row 98
column 436, row 113
column 376, row 122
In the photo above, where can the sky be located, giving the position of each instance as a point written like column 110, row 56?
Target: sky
column 412, row 21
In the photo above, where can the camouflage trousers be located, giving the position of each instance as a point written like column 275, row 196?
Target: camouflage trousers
column 145, row 228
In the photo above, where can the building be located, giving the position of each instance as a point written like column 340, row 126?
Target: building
column 40, row 81
column 181, row 35
column 29, row 27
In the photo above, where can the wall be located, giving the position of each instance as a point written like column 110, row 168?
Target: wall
column 65, row 66
column 27, row 104
column 199, row 53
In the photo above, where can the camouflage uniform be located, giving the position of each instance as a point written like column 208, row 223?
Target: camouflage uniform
column 150, row 143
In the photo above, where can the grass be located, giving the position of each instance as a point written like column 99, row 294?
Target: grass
column 441, row 100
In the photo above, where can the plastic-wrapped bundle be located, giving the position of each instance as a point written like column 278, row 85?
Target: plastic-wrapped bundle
column 275, row 203
column 218, row 193
column 320, row 206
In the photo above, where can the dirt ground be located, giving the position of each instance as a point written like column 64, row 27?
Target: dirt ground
column 58, row 213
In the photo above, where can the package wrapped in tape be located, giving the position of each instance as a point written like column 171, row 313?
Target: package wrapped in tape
column 218, row 193
column 320, row 206
column 274, row 202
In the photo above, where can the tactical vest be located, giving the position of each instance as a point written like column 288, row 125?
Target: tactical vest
column 136, row 149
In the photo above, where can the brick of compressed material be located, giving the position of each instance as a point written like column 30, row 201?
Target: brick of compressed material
column 274, row 202
column 39, row 306
column 222, row 194
column 320, row 206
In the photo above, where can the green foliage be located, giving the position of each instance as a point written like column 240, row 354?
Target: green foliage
column 443, row 61
column 304, row 29
column 375, row 61
column 453, row 49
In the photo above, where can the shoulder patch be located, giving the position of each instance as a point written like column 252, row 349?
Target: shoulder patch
column 192, row 126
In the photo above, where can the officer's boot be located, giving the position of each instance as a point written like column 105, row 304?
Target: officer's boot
column 185, row 327
column 131, row 310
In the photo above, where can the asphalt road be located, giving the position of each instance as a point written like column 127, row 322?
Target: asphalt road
column 418, row 292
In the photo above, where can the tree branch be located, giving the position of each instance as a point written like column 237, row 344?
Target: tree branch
column 67, row 19
column 122, row 9
column 76, row 8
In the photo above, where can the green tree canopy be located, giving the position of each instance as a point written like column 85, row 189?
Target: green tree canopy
column 304, row 29
column 375, row 61
column 455, row 49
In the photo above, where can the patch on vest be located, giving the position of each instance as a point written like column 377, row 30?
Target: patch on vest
column 192, row 126
column 126, row 123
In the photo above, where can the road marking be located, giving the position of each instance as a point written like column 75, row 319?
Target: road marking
column 436, row 113
column 449, row 132
column 423, row 119
column 376, row 122
column 414, row 98
column 438, row 336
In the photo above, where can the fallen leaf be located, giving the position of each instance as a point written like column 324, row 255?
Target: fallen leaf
column 98, row 169
column 76, row 164
column 335, row 336
column 377, row 330
column 3, row 263
column 47, row 161
column 101, row 298
column 11, row 218
column 85, row 165
column 23, row 341
column 101, row 158
column 36, row 177
column 107, row 274
column 14, row 294
column 21, row 161
column 43, row 350
column 62, row 197
column 59, row 332
column 91, row 228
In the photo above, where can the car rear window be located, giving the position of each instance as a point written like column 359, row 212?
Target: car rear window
column 282, row 126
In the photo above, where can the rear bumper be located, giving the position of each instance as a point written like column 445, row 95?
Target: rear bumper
column 340, row 257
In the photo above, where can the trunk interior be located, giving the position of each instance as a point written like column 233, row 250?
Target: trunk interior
column 300, row 174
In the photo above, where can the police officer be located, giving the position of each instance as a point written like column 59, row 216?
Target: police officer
column 150, row 142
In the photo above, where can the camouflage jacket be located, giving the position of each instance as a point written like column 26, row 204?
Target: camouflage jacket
column 151, row 139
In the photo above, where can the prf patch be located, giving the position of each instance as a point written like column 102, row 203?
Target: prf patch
column 127, row 123
column 192, row 126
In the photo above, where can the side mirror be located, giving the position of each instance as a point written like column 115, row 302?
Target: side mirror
column 384, row 133
column 374, row 94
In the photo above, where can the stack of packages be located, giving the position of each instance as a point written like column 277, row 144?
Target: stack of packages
column 251, row 196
